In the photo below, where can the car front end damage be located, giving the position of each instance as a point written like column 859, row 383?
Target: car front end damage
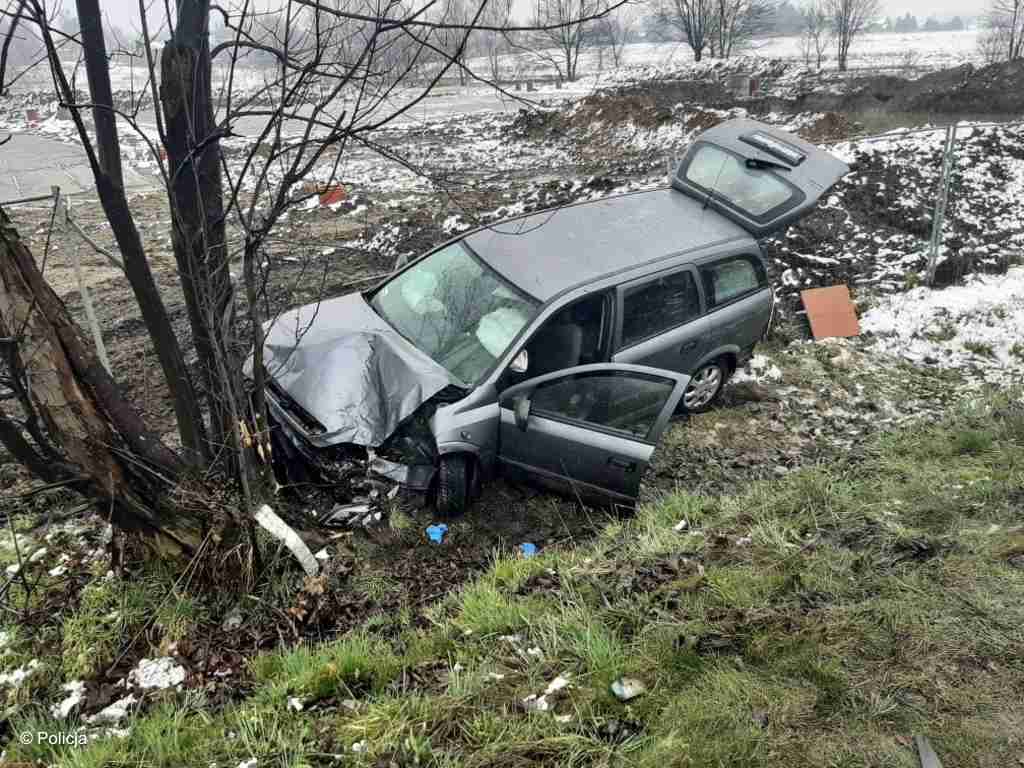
column 349, row 403
column 353, row 485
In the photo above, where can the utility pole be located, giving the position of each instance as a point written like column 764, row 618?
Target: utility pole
column 940, row 203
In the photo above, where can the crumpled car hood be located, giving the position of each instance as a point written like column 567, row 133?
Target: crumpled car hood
column 350, row 370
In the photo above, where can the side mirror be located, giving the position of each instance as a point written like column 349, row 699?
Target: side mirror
column 522, row 411
column 520, row 362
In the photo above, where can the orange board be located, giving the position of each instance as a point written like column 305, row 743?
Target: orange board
column 830, row 312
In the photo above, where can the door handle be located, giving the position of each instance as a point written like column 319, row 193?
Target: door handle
column 688, row 346
column 628, row 466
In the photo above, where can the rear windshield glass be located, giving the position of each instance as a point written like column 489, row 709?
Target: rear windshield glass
column 754, row 191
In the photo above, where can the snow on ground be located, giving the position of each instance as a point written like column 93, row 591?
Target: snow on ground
column 977, row 326
column 923, row 50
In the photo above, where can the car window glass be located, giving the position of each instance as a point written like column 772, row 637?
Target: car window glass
column 755, row 191
column 728, row 280
column 628, row 403
column 659, row 305
column 456, row 309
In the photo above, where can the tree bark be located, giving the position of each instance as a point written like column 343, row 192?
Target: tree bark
column 110, row 188
column 101, row 437
column 197, row 212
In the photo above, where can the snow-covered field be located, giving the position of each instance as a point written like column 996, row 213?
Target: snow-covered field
column 922, row 50
column 977, row 325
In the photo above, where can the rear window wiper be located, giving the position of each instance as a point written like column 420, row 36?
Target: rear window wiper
column 764, row 165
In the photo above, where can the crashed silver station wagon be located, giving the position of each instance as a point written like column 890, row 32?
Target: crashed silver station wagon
column 555, row 346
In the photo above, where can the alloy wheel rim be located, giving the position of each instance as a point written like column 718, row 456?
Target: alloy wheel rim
column 702, row 387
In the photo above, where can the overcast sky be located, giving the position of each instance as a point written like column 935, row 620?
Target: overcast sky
column 125, row 13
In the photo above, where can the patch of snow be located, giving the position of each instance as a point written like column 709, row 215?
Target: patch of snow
column 16, row 677
column 113, row 713
column 164, row 672
column 76, row 691
column 974, row 326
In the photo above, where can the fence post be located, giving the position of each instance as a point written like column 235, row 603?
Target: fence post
column 940, row 203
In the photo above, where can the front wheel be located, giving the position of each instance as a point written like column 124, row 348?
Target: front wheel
column 705, row 386
column 453, row 485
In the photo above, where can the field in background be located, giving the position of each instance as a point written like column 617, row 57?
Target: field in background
column 922, row 50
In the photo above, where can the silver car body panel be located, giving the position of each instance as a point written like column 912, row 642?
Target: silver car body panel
column 349, row 370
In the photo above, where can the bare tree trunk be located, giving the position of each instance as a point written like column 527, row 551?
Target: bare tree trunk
column 110, row 188
column 102, row 441
column 198, row 233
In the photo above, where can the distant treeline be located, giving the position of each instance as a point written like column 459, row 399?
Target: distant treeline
column 787, row 20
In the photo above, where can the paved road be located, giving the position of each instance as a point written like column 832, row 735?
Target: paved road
column 30, row 164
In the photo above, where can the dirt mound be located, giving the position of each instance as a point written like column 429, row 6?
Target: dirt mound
column 997, row 89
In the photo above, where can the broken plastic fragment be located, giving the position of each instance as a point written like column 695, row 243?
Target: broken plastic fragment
column 556, row 685
column 627, row 688
column 535, row 703
column 527, row 549
column 279, row 529
column 437, row 532
column 347, row 514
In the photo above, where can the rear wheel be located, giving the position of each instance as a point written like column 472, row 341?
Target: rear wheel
column 705, row 386
column 453, row 485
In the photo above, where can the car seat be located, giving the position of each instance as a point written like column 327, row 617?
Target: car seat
column 555, row 348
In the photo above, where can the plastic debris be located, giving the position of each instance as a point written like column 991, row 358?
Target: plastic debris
column 556, row 685
column 527, row 549
column 356, row 513
column 437, row 532
column 925, row 753
column 295, row 704
column 535, row 703
column 279, row 529
column 628, row 688
column 681, row 526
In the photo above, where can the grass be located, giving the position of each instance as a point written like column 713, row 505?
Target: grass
column 823, row 618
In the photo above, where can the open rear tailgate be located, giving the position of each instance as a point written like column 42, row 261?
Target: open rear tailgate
column 761, row 177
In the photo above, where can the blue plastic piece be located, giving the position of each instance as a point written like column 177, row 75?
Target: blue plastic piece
column 436, row 532
column 527, row 549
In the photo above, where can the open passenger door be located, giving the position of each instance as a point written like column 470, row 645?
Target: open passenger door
column 758, row 176
column 589, row 431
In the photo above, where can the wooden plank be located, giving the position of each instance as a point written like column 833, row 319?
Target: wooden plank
column 830, row 311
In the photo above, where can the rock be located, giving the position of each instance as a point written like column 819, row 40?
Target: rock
column 628, row 688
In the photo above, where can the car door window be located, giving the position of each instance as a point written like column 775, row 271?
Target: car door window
column 656, row 306
column 727, row 280
column 627, row 403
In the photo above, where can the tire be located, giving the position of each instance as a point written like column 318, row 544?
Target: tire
column 453, row 485
column 705, row 386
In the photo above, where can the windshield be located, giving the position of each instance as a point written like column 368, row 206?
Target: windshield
column 456, row 309
column 753, row 191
